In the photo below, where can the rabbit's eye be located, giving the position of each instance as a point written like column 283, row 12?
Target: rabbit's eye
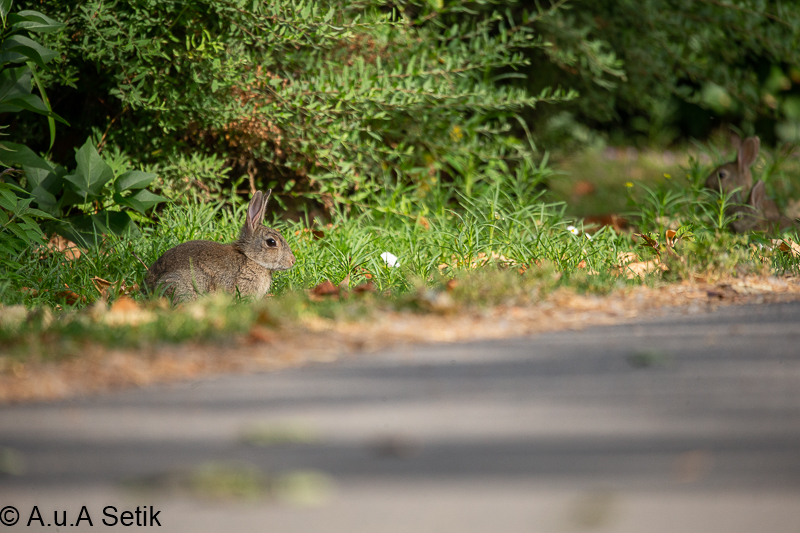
column 271, row 243
column 722, row 174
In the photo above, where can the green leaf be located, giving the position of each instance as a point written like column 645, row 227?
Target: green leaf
column 141, row 201
column 8, row 200
column 14, row 227
column 15, row 82
column 92, row 172
column 51, row 117
column 35, row 176
column 85, row 230
column 32, row 225
column 23, row 156
column 18, row 45
column 5, row 8
column 31, row 102
column 133, row 179
column 44, row 199
column 34, row 21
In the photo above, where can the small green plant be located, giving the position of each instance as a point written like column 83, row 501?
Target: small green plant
column 89, row 201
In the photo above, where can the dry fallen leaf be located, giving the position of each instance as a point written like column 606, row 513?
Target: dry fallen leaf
column 57, row 243
column 107, row 288
column 261, row 334
column 367, row 273
column 126, row 311
column 326, row 288
column 364, row 287
column 641, row 268
column 102, row 286
column 310, row 233
column 787, row 246
column 627, row 257
column 70, row 297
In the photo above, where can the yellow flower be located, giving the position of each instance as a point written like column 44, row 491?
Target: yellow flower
column 629, row 184
column 456, row 133
column 669, row 177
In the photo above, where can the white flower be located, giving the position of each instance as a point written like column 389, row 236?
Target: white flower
column 390, row 259
column 573, row 230
column 588, row 236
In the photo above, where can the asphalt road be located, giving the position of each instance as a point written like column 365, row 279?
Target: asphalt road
column 686, row 424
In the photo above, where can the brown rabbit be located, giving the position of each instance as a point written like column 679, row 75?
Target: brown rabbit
column 244, row 266
column 736, row 174
column 759, row 214
column 755, row 211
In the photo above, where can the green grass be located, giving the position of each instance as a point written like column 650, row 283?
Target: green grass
column 504, row 244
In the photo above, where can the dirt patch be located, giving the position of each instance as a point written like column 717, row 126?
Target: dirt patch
column 316, row 339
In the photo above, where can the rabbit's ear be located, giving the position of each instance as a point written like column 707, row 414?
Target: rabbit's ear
column 757, row 195
column 255, row 212
column 748, row 152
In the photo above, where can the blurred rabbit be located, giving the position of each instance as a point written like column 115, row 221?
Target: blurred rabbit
column 244, row 266
column 736, row 174
column 759, row 213
column 753, row 210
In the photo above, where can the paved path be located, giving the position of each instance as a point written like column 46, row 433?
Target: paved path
column 687, row 424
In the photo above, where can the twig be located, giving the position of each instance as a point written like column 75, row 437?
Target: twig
column 103, row 138
column 140, row 260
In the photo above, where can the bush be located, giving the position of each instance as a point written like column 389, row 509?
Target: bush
column 656, row 69
column 329, row 99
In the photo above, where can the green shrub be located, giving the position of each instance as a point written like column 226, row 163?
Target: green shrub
column 655, row 70
column 327, row 99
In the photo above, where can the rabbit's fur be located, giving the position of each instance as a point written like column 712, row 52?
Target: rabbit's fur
column 759, row 213
column 244, row 266
column 736, row 174
column 754, row 211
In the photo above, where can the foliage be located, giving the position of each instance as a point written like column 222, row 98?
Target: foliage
column 657, row 69
column 89, row 190
column 315, row 97
column 92, row 187
column 19, row 222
